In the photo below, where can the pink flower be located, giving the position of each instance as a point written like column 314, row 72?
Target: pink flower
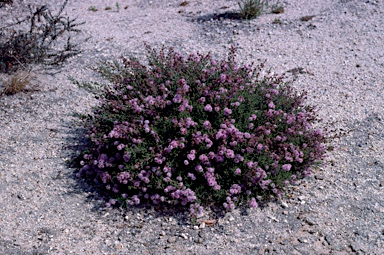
column 177, row 98
column 203, row 158
column 229, row 153
column 126, row 157
column 235, row 189
column 174, row 144
column 189, row 122
column 191, row 156
column 253, row 117
column 253, row 203
column 192, row 176
column 223, row 76
column 207, row 124
column 227, row 111
column 120, row 146
column 208, row 108
column 199, row 168
column 287, row 167
column 183, row 131
column 209, row 143
column 237, row 171
column 219, row 158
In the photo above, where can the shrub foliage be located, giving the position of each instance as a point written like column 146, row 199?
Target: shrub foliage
column 251, row 9
column 196, row 131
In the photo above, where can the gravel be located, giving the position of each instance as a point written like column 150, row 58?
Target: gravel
column 337, row 56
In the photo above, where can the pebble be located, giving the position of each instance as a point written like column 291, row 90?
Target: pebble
column 171, row 239
column 302, row 240
column 310, row 221
column 284, row 204
column 199, row 240
column 273, row 218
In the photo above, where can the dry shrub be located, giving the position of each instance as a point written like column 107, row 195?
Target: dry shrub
column 16, row 82
column 35, row 39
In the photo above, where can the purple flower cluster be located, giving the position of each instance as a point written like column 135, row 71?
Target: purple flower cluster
column 183, row 128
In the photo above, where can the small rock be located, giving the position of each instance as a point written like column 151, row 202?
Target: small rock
column 184, row 236
column 202, row 225
column 171, row 239
column 231, row 219
column 302, row 240
column 273, row 218
column 329, row 239
column 284, row 204
column 382, row 183
column 355, row 247
column 319, row 177
column 310, row 221
column 196, row 227
column 235, row 240
column 162, row 233
column 199, row 240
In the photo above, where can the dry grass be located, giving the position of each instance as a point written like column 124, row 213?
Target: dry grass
column 16, row 83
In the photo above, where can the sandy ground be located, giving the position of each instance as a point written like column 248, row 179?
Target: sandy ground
column 337, row 55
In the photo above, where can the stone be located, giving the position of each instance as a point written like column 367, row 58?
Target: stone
column 171, row 239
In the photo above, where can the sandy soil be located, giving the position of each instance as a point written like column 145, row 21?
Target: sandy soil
column 337, row 55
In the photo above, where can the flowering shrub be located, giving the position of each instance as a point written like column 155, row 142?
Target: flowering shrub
column 194, row 130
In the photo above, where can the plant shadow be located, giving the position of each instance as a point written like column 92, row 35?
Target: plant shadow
column 220, row 16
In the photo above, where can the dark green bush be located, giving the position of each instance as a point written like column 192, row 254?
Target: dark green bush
column 195, row 131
